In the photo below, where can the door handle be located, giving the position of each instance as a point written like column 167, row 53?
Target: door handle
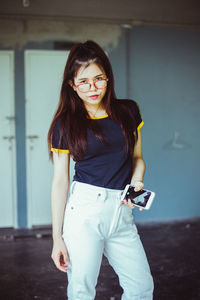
column 8, row 137
column 32, row 137
column 10, row 118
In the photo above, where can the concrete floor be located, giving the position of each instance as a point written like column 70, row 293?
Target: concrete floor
column 173, row 250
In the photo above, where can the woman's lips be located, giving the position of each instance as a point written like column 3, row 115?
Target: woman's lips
column 94, row 97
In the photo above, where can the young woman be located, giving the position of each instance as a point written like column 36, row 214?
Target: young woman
column 103, row 136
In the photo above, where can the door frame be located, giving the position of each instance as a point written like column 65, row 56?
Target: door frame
column 11, row 54
column 27, row 53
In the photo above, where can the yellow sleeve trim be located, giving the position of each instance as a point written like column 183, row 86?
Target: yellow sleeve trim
column 140, row 125
column 60, row 150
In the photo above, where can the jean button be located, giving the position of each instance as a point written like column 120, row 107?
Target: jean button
column 99, row 194
column 72, row 207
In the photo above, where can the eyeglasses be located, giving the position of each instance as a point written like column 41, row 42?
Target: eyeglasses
column 99, row 83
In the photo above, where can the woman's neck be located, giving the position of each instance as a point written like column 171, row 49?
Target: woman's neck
column 95, row 110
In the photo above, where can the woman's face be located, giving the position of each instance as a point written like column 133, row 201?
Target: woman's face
column 96, row 77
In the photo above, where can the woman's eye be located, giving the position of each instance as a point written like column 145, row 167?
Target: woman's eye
column 83, row 82
column 99, row 78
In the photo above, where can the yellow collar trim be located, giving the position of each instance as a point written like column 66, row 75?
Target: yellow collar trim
column 100, row 117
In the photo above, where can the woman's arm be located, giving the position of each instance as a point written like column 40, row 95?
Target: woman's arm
column 139, row 164
column 138, row 169
column 59, row 192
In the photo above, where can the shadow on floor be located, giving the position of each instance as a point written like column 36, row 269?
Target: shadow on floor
column 173, row 251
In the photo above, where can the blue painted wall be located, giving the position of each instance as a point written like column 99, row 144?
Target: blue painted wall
column 119, row 65
column 165, row 76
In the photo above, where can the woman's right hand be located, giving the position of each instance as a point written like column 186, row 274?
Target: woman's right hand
column 60, row 255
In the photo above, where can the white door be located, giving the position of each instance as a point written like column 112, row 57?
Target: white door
column 43, row 77
column 8, row 211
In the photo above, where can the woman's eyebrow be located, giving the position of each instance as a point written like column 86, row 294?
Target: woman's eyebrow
column 99, row 75
column 93, row 77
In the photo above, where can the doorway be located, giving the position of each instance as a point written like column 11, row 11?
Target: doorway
column 43, row 78
column 8, row 204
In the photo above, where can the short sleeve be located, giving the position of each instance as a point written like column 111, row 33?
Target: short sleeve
column 55, row 141
column 134, row 107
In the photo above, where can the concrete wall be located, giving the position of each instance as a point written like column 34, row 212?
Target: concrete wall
column 165, row 74
column 157, row 67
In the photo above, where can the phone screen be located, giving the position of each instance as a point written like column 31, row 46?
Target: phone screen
column 139, row 198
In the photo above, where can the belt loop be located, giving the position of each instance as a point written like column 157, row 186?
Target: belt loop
column 106, row 194
column 119, row 196
column 72, row 187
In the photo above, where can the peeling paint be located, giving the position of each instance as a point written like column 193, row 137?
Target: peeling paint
column 17, row 33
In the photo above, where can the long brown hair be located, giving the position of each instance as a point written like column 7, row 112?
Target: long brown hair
column 73, row 116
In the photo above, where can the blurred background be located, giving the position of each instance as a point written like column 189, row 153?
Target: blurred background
column 154, row 48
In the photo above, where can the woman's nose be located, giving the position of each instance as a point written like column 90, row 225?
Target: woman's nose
column 92, row 86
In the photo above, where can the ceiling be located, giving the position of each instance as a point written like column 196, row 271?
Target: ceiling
column 175, row 12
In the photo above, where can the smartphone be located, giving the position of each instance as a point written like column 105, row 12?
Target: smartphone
column 141, row 198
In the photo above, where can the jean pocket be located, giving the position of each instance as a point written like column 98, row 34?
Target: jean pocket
column 85, row 203
column 81, row 210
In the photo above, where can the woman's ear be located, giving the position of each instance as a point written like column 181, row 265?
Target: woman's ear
column 72, row 84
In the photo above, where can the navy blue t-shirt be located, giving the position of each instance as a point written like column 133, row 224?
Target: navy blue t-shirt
column 105, row 165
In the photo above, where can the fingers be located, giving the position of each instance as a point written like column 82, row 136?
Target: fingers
column 64, row 261
column 61, row 261
column 66, row 258
column 138, row 186
column 128, row 203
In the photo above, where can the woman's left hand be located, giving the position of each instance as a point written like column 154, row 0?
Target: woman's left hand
column 138, row 186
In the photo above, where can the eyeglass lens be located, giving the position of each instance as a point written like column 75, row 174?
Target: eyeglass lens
column 99, row 84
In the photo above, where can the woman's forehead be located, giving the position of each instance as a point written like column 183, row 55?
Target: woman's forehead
column 89, row 71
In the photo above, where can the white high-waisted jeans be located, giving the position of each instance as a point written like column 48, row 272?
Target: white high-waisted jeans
column 96, row 223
